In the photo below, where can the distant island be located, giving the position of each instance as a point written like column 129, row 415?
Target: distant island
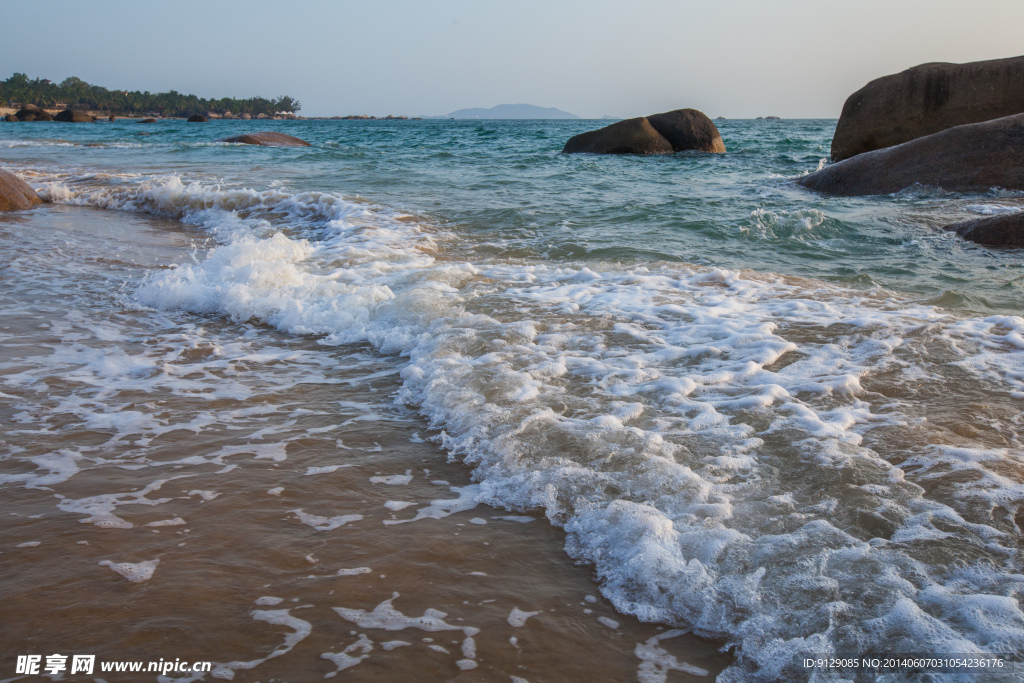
column 74, row 93
column 512, row 111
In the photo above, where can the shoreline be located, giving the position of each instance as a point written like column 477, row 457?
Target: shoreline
column 480, row 564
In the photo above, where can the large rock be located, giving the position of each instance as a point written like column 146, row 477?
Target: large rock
column 927, row 99
column 688, row 129
column 28, row 112
column 975, row 157
column 632, row 136
column 268, row 139
column 11, row 117
column 72, row 116
column 15, row 193
column 1005, row 230
column 31, row 112
column 672, row 131
column 147, row 120
column 197, row 118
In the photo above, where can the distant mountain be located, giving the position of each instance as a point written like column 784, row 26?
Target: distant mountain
column 512, row 111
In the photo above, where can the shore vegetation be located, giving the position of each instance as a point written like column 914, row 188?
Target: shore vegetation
column 75, row 93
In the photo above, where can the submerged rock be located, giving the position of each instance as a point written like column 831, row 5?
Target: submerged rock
column 927, row 99
column 197, row 118
column 268, row 139
column 672, row 131
column 15, row 193
column 72, row 116
column 149, row 120
column 1006, row 230
column 974, row 157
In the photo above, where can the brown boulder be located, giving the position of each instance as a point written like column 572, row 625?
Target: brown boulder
column 632, row 136
column 149, row 120
column 11, row 117
column 113, row 118
column 688, row 129
column 1006, row 230
column 672, row 131
column 72, row 116
column 975, row 157
column 29, row 112
column 15, row 193
column 197, row 118
column 927, row 99
column 268, row 139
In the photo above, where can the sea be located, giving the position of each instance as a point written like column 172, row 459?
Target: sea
column 431, row 401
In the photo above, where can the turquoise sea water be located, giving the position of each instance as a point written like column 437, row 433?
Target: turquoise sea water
column 788, row 421
column 506, row 184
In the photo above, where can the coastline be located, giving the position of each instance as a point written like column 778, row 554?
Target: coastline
column 259, row 534
column 588, row 412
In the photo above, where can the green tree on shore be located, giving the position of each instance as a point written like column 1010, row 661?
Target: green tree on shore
column 76, row 93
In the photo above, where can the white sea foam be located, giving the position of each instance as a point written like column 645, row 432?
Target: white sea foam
column 752, row 456
column 517, row 617
column 136, row 572
column 325, row 523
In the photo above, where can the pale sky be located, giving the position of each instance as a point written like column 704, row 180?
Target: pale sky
column 734, row 58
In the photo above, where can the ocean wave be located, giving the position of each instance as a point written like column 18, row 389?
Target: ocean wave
column 781, row 463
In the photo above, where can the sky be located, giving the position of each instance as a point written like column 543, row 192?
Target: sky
column 732, row 58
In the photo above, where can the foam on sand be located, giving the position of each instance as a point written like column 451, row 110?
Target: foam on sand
column 776, row 462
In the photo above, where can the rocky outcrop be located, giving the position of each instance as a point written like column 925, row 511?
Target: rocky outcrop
column 672, row 131
column 974, row 157
column 1006, row 230
column 72, row 116
column 28, row 112
column 149, row 120
column 15, row 193
column 246, row 117
column 11, row 118
column 688, row 129
column 197, row 118
column 632, row 136
column 268, row 139
column 927, row 99
column 31, row 112
column 113, row 118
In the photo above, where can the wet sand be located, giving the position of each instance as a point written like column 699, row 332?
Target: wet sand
column 269, row 482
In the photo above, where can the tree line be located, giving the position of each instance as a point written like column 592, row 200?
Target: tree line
column 77, row 94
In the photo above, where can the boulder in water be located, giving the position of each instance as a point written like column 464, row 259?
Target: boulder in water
column 927, row 99
column 11, row 118
column 29, row 112
column 197, row 118
column 632, row 136
column 15, row 193
column 72, row 116
column 1006, row 230
column 688, row 129
column 149, row 120
column 672, row 131
column 268, row 139
column 973, row 157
